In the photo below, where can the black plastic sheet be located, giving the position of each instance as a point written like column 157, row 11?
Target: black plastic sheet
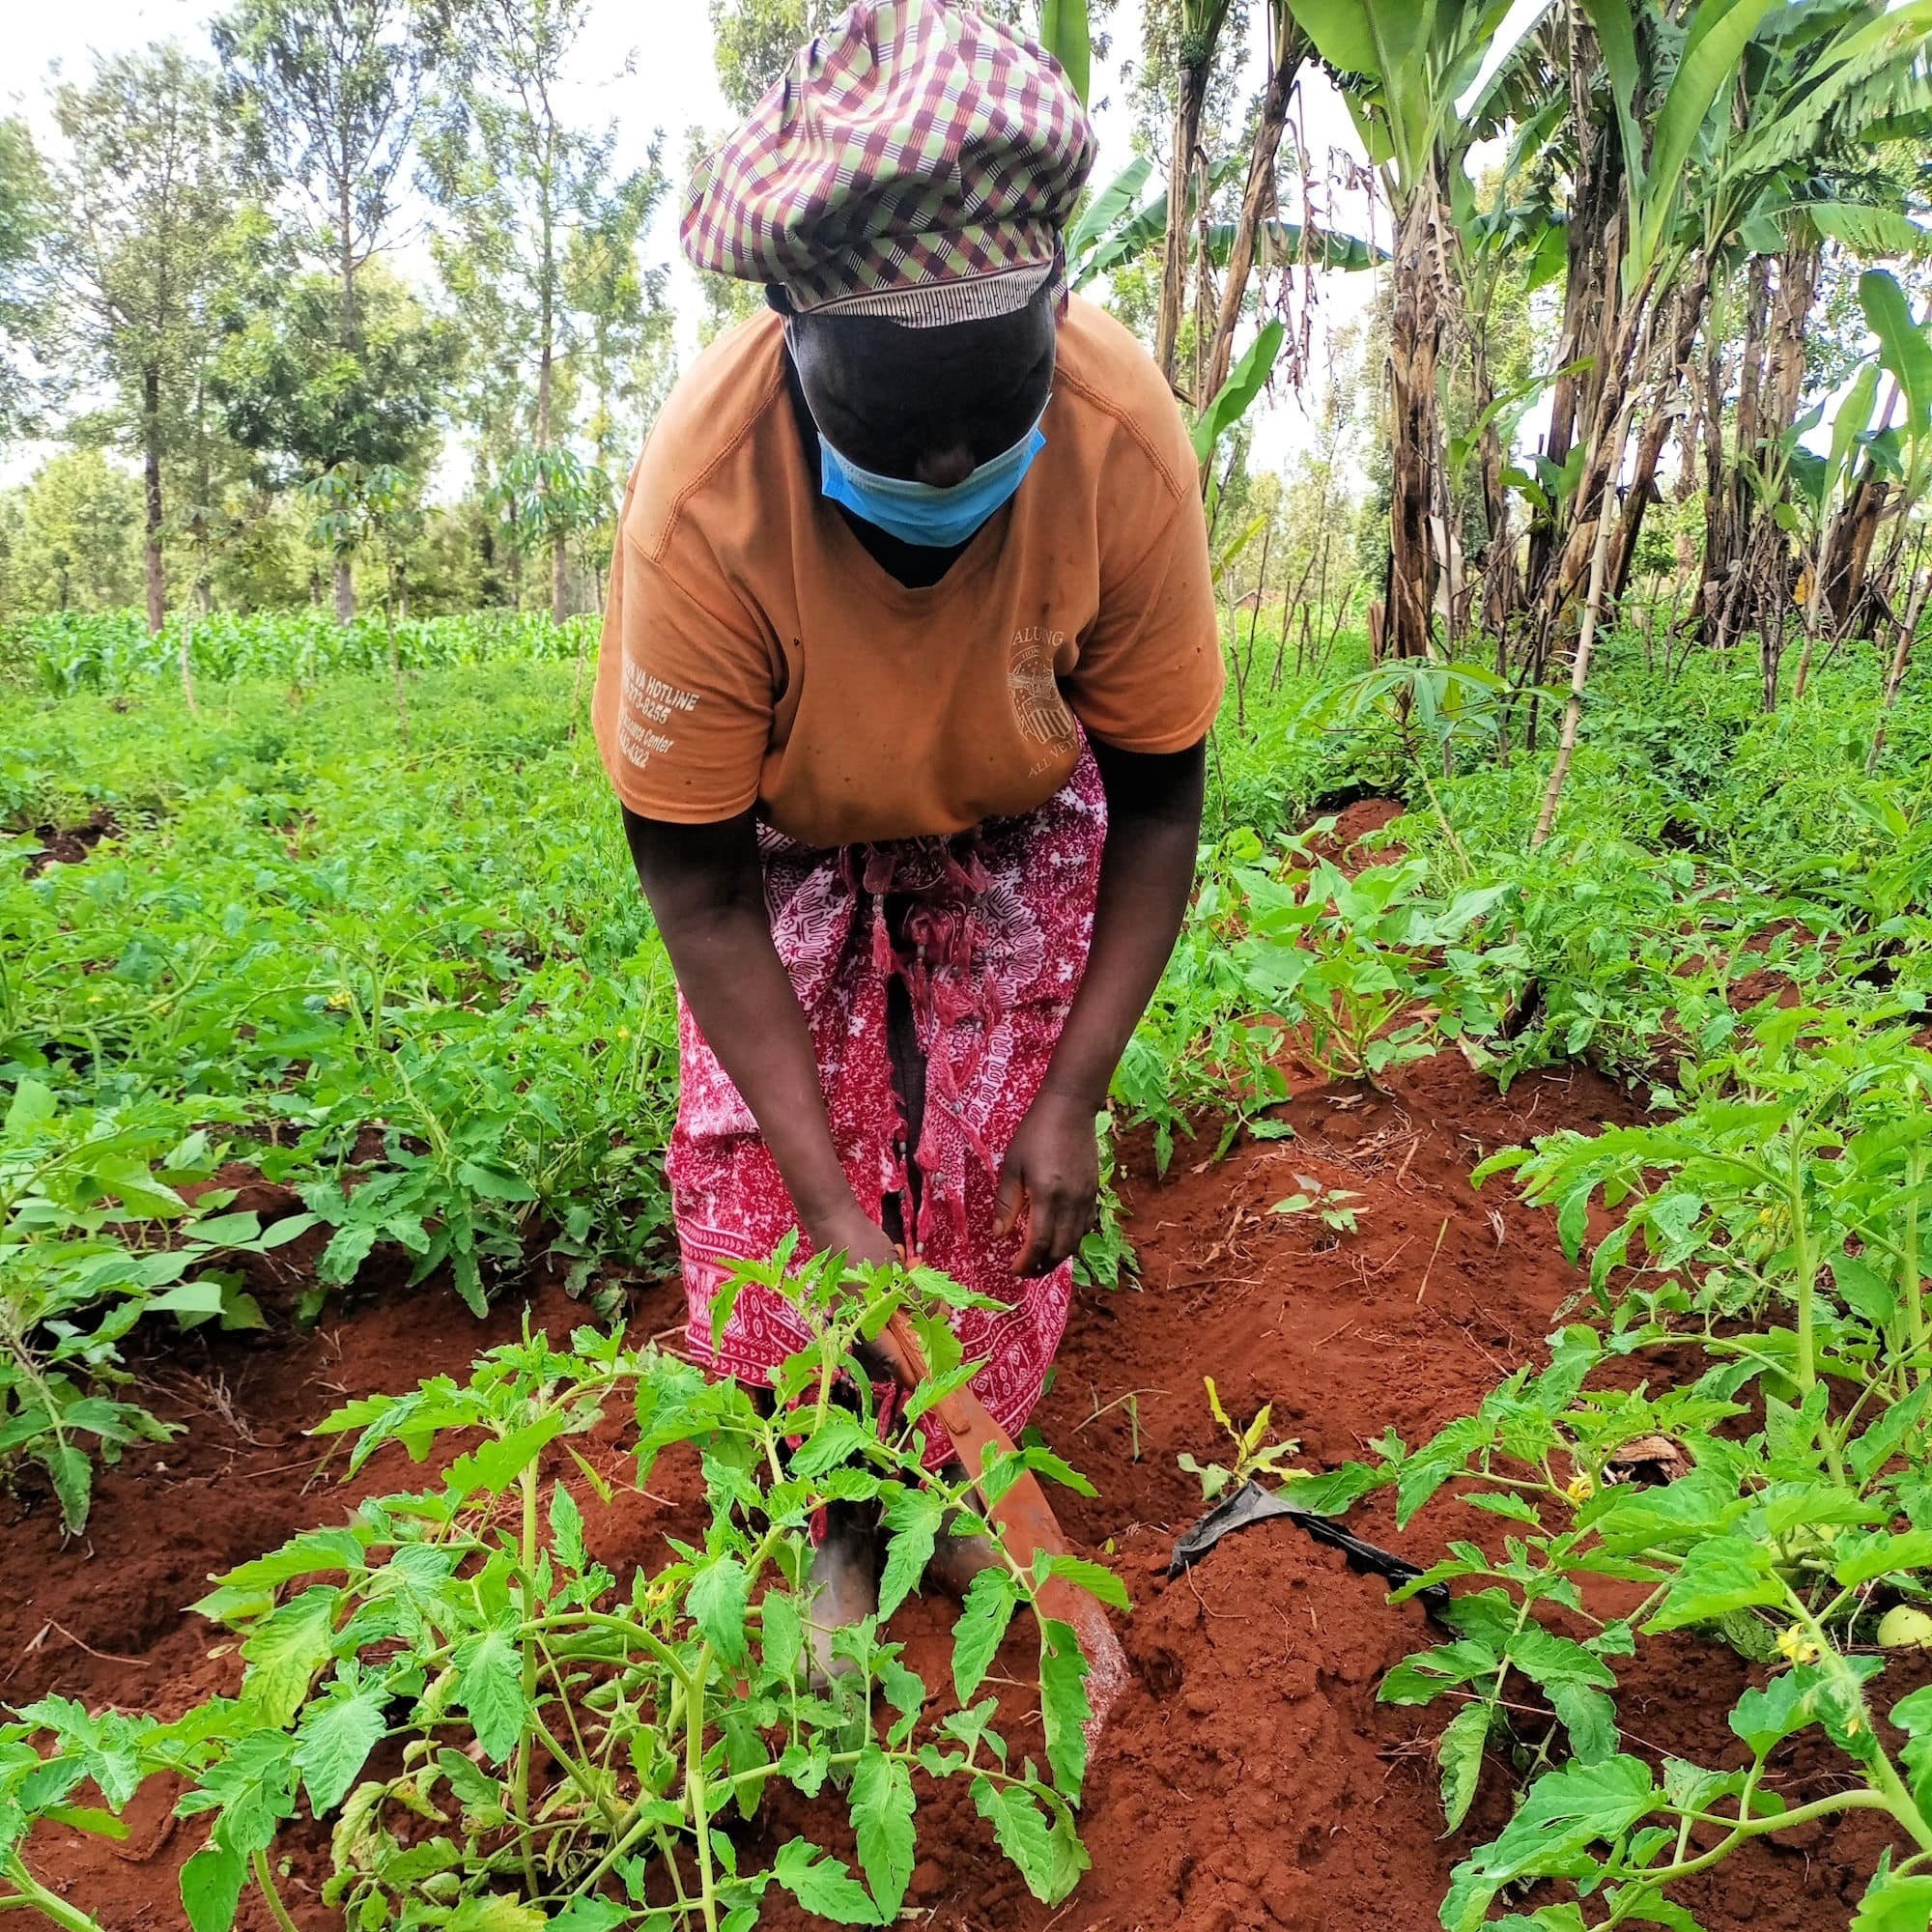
column 1252, row 1503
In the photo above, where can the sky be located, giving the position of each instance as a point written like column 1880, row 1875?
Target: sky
column 649, row 69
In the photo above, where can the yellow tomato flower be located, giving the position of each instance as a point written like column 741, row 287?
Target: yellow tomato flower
column 1795, row 1646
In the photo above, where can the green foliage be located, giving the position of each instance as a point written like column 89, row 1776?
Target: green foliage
column 401, row 977
column 112, row 652
column 24, row 214
column 95, row 1236
column 302, row 399
column 76, row 544
column 583, row 1746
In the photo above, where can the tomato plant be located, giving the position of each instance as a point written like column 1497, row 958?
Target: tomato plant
column 95, row 1236
column 504, row 1730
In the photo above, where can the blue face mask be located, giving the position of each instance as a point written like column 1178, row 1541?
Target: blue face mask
column 926, row 513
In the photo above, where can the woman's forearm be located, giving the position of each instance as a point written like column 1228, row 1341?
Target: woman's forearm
column 742, row 999
column 706, row 892
column 1154, row 834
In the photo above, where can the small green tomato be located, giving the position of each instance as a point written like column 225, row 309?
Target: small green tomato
column 1904, row 1627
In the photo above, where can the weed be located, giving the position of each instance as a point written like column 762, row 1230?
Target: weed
column 1254, row 1455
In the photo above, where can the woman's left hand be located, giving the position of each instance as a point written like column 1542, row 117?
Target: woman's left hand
column 1053, row 1168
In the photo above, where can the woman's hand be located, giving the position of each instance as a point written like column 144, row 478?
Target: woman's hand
column 850, row 1230
column 1054, row 1167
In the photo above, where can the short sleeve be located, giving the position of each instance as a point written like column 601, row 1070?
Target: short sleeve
column 683, row 700
column 1150, row 674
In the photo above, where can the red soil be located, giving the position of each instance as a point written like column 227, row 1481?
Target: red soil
column 69, row 844
column 1248, row 1779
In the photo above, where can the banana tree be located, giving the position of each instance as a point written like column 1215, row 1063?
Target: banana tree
column 1712, row 112
column 1286, row 49
column 1064, row 33
column 1783, row 174
column 1402, row 69
column 1822, row 492
column 1895, row 472
column 1199, row 33
column 1115, row 226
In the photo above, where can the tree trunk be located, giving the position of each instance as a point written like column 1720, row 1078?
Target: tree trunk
column 560, row 580
column 1602, row 455
column 1690, row 301
column 345, row 591
column 1847, row 554
column 346, row 259
column 151, row 476
column 1594, row 260
column 1746, row 558
column 1579, row 670
column 1284, row 54
column 1901, row 654
column 1174, row 252
column 1415, row 327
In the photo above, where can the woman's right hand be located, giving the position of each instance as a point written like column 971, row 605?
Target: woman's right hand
column 866, row 1244
column 851, row 1231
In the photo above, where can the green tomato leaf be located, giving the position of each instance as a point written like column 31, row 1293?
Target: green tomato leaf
column 1880, row 1555
column 840, row 1439
column 1591, row 1720
column 1023, row 1834
column 717, row 1599
column 495, row 1912
column 589, row 1914
column 1459, row 1755
column 492, row 1468
column 334, row 1744
column 1723, row 1573
column 982, row 1629
column 31, row 1109
column 489, row 1686
column 285, row 1651
column 566, row 1528
column 781, row 1633
column 211, row 1888
column 882, row 1814
column 1063, row 1705
column 913, row 1517
column 1563, row 1813
column 1095, row 1578
column 822, row 1884
column 1891, row 1905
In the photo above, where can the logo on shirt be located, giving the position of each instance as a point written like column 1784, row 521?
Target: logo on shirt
column 648, row 702
column 1037, row 705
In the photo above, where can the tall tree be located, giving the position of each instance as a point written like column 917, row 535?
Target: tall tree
column 329, row 92
column 305, row 404
column 532, row 197
column 25, row 212
column 753, row 40
column 74, row 547
column 145, row 196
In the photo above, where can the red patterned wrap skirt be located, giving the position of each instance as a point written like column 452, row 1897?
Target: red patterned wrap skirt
column 987, row 934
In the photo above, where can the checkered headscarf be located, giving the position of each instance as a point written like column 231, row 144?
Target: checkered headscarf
column 916, row 161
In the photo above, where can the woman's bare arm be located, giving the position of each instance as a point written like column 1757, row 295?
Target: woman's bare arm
column 706, row 892
column 1154, row 830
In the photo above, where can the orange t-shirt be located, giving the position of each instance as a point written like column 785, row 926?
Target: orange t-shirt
column 755, row 652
